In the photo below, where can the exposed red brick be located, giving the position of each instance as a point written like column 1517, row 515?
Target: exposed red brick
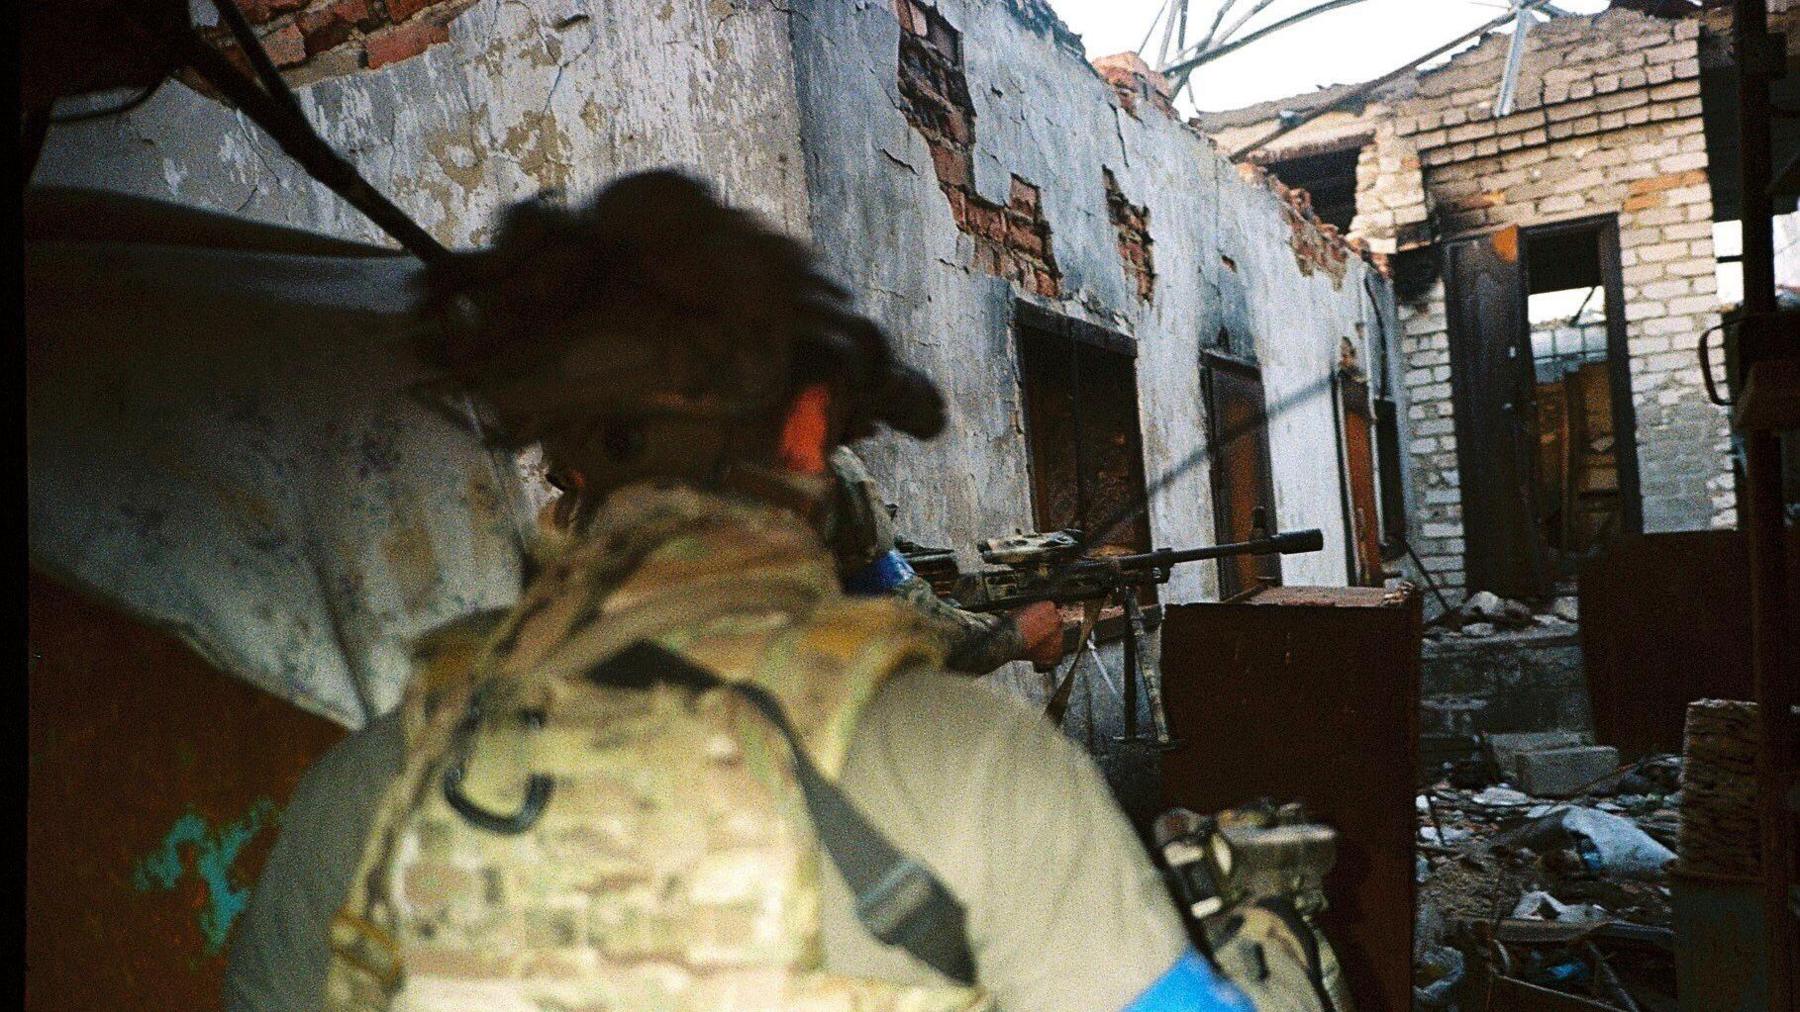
column 329, row 25
column 401, row 10
column 403, row 42
column 1131, row 77
column 255, row 11
column 1132, row 222
column 1020, row 235
column 951, row 166
column 285, row 45
column 1024, row 196
column 911, row 21
column 1011, row 241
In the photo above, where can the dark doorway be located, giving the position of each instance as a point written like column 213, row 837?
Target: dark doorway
column 1237, row 432
column 1544, row 426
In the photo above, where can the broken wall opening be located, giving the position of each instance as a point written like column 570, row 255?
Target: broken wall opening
column 1012, row 240
column 1329, row 177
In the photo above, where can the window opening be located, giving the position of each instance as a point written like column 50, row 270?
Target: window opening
column 1079, row 387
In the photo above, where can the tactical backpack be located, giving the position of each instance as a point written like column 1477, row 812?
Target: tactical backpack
column 624, row 802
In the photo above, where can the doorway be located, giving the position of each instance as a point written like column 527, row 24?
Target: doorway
column 1540, row 379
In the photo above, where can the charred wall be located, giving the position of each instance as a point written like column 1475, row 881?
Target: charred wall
column 1114, row 177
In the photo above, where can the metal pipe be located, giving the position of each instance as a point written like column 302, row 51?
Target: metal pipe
column 1774, row 688
column 1515, row 54
column 1370, row 86
column 1232, row 47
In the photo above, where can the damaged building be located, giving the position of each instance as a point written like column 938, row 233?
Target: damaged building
column 1134, row 339
column 1582, row 194
column 1461, row 340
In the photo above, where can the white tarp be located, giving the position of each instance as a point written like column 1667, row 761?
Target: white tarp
column 225, row 443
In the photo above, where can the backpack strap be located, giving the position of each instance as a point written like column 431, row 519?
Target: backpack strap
column 898, row 899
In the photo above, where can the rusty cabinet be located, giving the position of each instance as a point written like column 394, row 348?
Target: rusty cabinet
column 155, row 786
column 1311, row 693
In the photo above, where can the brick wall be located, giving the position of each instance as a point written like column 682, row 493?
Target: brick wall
column 1012, row 240
column 314, row 39
column 1133, row 224
column 1619, row 133
column 1606, row 121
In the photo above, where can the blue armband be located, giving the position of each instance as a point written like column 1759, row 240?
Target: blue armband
column 1191, row 986
column 888, row 571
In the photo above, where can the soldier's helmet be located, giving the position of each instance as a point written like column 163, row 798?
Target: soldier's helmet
column 657, row 333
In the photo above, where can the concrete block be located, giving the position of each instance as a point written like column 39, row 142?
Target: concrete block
column 1504, row 749
column 1565, row 772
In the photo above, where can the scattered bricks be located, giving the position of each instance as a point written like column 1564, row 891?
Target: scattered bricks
column 1566, row 772
column 404, row 42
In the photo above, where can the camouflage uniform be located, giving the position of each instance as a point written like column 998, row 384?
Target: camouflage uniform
column 674, row 866
column 862, row 536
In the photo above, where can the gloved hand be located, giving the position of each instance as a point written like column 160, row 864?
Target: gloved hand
column 1041, row 629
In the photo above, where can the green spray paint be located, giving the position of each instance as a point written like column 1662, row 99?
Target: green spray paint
column 214, row 854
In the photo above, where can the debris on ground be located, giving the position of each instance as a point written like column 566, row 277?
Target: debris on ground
column 1484, row 614
column 1530, row 892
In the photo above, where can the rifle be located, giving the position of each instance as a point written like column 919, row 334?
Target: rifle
column 1049, row 566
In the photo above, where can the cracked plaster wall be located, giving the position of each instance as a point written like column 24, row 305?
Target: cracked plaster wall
column 527, row 95
column 1044, row 115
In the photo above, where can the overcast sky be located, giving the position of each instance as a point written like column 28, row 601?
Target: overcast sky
column 1356, row 43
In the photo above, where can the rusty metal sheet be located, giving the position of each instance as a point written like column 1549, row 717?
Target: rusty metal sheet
column 228, row 444
column 1647, row 655
column 155, row 785
column 1311, row 693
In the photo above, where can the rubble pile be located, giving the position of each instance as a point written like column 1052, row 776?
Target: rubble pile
column 1520, row 892
column 1486, row 614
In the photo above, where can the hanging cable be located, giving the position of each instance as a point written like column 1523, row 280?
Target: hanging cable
column 274, row 108
column 112, row 110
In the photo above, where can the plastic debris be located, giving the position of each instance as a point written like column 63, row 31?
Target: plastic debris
column 1606, row 842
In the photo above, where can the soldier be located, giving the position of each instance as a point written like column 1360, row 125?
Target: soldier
column 861, row 538
column 860, row 534
column 686, row 771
